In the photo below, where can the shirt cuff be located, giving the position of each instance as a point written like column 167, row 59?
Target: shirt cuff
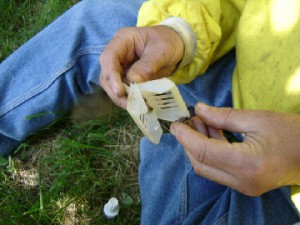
column 187, row 35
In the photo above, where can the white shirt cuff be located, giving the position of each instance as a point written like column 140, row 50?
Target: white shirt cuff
column 187, row 35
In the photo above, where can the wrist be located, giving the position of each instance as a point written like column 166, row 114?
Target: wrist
column 187, row 35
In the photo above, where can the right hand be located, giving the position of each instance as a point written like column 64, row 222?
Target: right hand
column 270, row 147
column 138, row 54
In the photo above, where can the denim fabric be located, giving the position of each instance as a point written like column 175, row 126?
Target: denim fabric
column 213, row 87
column 50, row 72
column 172, row 193
column 48, row 75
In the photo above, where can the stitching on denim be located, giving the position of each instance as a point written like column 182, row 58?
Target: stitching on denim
column 182, row 209
column 41, row 87
column 290, row 202
column 183, row 195
column 182, row 205
column 188, row 165
column 222, row 220
column 191, row 94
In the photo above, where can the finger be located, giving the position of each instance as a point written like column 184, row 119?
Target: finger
column 111, row 73
column 159, row 54
column 213, row 174
column 216, row 133
column 190, row 124
column 112, row 83
column 114, row 93
column 117, row 55
column 149, row 67
column 227, row 118
column 207, row 131
column 120, row 101
column 211, row 152
column 199, row 125
column 236, row 181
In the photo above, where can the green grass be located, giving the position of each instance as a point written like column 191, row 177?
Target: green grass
column 21, row 19
column 67, row 172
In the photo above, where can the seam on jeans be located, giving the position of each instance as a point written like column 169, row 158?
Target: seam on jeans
column 191, row 94
column 290, row 201
column 41, row 87
column 182, row 210
column 222, row 220
column 183, row 194
column 188, row 165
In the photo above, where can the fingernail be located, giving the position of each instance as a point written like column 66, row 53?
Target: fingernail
column 136, row 78
column 201, row 106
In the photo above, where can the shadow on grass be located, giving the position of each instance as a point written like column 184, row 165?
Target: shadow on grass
column 67, row 172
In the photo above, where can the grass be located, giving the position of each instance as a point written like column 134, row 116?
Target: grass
column 21, row 19
column 67, row 172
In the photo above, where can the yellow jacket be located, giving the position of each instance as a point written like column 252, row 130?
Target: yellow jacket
column 266, row 35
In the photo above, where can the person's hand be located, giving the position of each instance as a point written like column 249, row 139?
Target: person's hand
column 268, row 157
column 138, row 54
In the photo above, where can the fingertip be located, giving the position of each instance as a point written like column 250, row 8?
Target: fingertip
column 190, row 123
column 199, row 107
column 118, row 88
column 120, row 102
column 135, row 78
column 199, row 125
column 123, row 103
column 216, row 133
column 176, row 128
column 173, row 128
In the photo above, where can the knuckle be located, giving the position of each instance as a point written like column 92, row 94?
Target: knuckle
column 201, row 156
column 104, row 80
column 198, row 170
column 125, row 32
column 225, row 114
column 102, row 58
column 180, row 136
column 144, row 68
column 106, row 58
column 119, row 33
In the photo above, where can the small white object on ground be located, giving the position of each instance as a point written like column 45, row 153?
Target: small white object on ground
column 111, row 208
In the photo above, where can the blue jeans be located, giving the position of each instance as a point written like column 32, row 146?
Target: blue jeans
column 54, row 69
column 172, row 193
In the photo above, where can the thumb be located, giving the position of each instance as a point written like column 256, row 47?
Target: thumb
column 155, row 62
column 240, row 121
column 142, row 70
column 157, row 55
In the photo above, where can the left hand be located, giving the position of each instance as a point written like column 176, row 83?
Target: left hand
column 268, row 157
column 138, row 54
